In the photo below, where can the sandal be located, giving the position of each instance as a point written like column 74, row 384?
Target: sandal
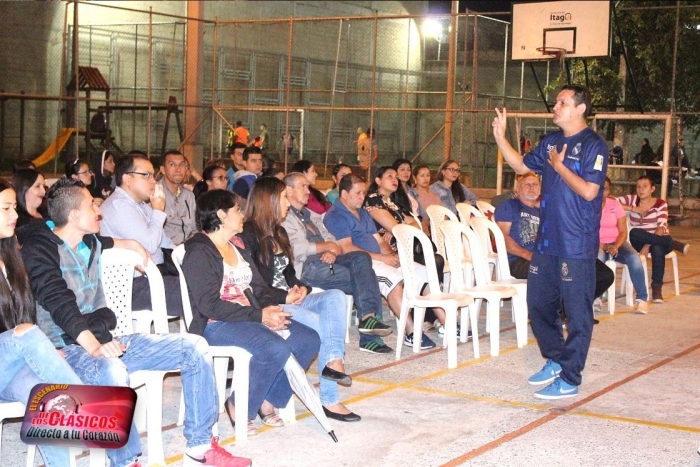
column 271, row 419
column 252, row 430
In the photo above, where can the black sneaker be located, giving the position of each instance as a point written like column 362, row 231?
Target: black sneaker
column 425, row 343
column 441, row 332
column 373, row 327
column 376, row 347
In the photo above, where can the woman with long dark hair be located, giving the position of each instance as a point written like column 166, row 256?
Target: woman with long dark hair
column 269, row 246
column 30, row 189
column 27, row 356
column 103, row 164
column 426, row 197
column 219, row 272
column 317, row 201
column 448, row 187
column 213, row 178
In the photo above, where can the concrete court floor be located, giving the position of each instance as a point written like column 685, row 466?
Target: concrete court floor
column 638, row 404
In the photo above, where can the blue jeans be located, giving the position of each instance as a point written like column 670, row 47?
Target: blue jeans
column 660, row 246
column 270, row 352
column 324, row 313
column 26, row 361
column 187, row 352
column 354, row 276
column 629, row 256
column 554, row 282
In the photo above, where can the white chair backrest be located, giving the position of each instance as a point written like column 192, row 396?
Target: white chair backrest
column 485, row 207
column 405, row 236
column 179, row 255
column 463, row 246
column 437, row 214
column 466, row 211
column 117, row 270
column 483, row 227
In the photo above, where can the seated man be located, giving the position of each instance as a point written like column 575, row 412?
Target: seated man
column 179, row 201
column 319, row 262
column 236, row 162
column 244, row 179
column 355, row 230
column 63, row 263
column 127, row 214
column 519, row 220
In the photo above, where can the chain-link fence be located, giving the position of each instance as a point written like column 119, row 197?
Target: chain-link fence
column 179, row 77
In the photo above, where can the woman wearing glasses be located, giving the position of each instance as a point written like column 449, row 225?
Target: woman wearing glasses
column 449, row 189
column 79, row 169
column 213, row 178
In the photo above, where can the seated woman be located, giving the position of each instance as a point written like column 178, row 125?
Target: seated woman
column 268, row 244
column 79, row 169
column 649, row 231
column 426, row 197
column 27, row 356
column 29, row 185
column 405, row 196
column 387, row 214
column 339, row 171
column 103, row 163
column 317, row 201
column 614, row 245
column 218, row 273
column 213, row 178
column 449, row 189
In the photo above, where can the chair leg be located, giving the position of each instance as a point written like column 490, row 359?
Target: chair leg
column 494, row 327
column 240, row 384
column 451, row 335
column 141, row 409
column 611, row 290
column 401, row 327
column 288, row 413
column 418, row 317
column 676, row 281
column 154, row 420
column 350, row 304
column 474, row 318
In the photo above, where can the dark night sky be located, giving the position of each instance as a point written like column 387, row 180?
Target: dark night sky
column 443, row 6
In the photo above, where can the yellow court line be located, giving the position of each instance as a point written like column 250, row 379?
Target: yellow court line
column 636, row 421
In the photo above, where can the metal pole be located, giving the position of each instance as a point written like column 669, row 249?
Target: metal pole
column 371, row 134
column 150, row 78
column 76, row 72
column 473, row 120
column 289, row 82
column 450, row 97
column 667, row 151
column 405, row 96
column 675, row 57
column 330, row 114
column 62, row 86
column 213, row 88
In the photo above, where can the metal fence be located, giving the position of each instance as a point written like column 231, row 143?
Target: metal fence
column 318, row 78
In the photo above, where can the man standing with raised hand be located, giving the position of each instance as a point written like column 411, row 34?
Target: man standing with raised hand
column 573, row 163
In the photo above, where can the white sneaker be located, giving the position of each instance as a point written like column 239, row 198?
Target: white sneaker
column 642, row 307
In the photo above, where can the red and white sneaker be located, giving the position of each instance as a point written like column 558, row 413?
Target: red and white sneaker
column 215, row 456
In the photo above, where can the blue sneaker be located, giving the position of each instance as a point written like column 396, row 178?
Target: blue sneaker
column 559, row 389
column 425, row 343
column 547, row 374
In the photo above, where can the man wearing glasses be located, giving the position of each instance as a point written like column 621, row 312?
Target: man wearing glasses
column 136, row 211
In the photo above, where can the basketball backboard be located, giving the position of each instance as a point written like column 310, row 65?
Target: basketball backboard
column 580, row 28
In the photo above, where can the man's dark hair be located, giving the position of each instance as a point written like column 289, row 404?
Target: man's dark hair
column 251, row 150
column 581, row 96
column 239, row 123
column 237, row 146
column 208, row 205
column 172, row 152
column 63, row 197
column 348, row 181
column 127, row 164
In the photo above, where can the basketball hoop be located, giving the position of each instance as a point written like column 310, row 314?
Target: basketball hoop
column 556, row 53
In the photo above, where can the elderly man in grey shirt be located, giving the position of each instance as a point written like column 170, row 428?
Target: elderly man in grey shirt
column 179, row 201
column 136, row 211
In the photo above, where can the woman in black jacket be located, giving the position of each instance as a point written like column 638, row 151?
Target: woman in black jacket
column 220, row 278
column 269, row 247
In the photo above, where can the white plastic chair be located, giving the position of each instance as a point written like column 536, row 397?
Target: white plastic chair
column 117, row 267
column 485, row 207
column 466, row 211
column 674, row 262
column 436, row 215
column 405, row 236
column 492, row 255
column 349, row 306
column 50, row 181
column 485, row 227
column 483, row 290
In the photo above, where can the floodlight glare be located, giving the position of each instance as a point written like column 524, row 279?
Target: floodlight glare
column 432, row 28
